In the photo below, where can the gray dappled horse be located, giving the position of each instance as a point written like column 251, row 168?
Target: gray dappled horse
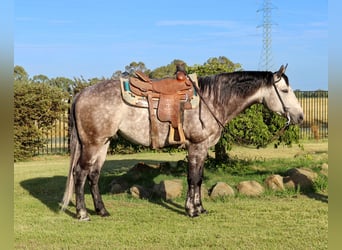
column 99, row 112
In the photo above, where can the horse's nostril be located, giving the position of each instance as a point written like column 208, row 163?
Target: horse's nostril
column 301, row 117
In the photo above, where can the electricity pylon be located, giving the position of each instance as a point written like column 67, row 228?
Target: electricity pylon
column 266, row 57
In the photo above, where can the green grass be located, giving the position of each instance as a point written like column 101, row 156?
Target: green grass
column 285, row 220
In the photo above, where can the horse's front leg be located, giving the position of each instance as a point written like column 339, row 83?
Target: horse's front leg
column 196, row 158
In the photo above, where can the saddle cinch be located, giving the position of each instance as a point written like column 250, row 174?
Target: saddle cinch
column 169, row 96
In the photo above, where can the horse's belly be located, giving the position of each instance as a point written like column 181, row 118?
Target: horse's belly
column 135, row 127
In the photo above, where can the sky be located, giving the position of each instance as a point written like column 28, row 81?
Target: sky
column 74, row 38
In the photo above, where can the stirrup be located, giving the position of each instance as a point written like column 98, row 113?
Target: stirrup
column 172, row 140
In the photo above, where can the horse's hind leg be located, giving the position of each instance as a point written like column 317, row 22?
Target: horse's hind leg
column 89, row 167
column 80, row 176
column 93, row 178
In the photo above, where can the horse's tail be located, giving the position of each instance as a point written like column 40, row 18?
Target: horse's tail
column 75, row 152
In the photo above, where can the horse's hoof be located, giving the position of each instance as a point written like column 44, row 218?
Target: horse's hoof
column 204, row 211
column 82, row 215
column 103, row 213
column 193, row 214
column 87, row 218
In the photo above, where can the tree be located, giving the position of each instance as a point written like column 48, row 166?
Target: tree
column 20, row 74
column 63, row 83
column 134, row 66
column 80, row 83
column 215, row 65
column 117, row 74
column 166, row 71
column 40, row 79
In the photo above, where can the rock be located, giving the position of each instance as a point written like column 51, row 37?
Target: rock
column 169, row 189
column 288, row 183
column 156, row 189
column 275, row 182
column 139, row 192
column 324, row 166
column 141, row 169
column 118, row 186
column 221, row 189
column 302, row 177
column 324, row 169
column 251, row 188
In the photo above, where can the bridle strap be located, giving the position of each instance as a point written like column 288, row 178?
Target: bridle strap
column 286, row 109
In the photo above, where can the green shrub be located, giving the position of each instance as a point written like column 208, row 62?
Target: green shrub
column 36, row 108
column 259, row 127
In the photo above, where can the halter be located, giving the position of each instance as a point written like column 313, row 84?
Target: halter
column 286, row 109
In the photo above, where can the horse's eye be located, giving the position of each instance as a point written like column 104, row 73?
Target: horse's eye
column 284, row 90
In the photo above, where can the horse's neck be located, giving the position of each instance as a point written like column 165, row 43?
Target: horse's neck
column 234, row 106
column 237, row 105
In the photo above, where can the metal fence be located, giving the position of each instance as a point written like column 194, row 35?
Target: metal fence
column 57, row 138
column 315, row 125
column 315, row 106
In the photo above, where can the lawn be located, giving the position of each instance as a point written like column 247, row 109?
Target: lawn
column 288, row 220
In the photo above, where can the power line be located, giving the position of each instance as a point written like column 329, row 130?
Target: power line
column 266, row 57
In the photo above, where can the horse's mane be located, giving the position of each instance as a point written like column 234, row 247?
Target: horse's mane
column 241, row 83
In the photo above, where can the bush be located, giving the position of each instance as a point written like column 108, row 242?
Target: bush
column 256, row 126
column 259, row 127
column 36, row 108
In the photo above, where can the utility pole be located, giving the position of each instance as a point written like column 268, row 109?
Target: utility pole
column 266, row 57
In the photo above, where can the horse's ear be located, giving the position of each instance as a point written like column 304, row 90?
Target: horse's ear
column 282, row 70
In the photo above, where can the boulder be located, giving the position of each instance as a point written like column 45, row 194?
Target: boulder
column 288, row 183
column 169, row 189
column 221, row 189
column 302, row 177
column 118, row 186
column 325, row 166
column 139, row 192
column 251, row 188
column 275, row 182
column 324, row 169
column 141, row 169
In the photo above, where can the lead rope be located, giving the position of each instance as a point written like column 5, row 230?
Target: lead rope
column 206, row 104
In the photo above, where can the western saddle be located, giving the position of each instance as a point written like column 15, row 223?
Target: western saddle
column 170, row 97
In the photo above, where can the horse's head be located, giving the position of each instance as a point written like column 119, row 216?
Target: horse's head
column 282, row 100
